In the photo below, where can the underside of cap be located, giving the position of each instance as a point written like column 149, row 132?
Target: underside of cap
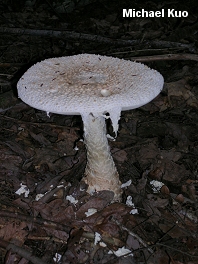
column 88, row 83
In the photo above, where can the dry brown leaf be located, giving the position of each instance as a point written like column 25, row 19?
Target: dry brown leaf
column 160, row 257
column 119, row 154
column 179, row 198
column 148, row 153
column 109, row 229
column 174, row 172
column 156, row 174
column 157, row 201
column 57, row 211
column 165, row 190
column 14, row 230
column 40, row 138
column 181, row 90
column 105, row 197
column 189, row 188
column 62, row 235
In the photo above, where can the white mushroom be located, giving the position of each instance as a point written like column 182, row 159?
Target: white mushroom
column 91, row 85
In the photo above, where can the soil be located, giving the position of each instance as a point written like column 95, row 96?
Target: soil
column 45, row 212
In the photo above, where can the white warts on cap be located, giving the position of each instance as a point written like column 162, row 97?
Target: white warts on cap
column 105, row 92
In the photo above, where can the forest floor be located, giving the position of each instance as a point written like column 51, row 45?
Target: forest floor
column 44, row 207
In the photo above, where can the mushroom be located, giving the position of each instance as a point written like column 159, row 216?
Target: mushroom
column 92, row 86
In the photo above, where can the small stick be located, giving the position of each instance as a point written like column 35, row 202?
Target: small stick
column 21, row 251
column 72, row 35
column 179, row 56
column 142, row 242
column 39, row 221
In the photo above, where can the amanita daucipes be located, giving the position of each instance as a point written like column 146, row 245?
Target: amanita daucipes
column 91, row 85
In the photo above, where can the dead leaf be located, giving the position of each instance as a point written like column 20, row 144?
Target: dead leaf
column 165, row 190
column 148, row 153
column 119, row 154
column 62, row 235
column 95, row 202
column 40, row 138
column 14, row 230
column 181, row 91
column 17, row 148
column 156, row 174
column 189, row 188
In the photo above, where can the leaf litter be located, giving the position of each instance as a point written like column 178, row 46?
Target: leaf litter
column 159, row 206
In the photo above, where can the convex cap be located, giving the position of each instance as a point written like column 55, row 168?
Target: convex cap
column 89, row 83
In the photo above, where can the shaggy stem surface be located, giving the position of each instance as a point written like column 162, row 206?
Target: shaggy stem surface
column 100, row 173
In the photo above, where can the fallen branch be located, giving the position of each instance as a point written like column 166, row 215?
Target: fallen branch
column 141, row 241
column 69, row 129
column 10, row 64
column 42, row 222
column 71, row 35
column 179, row 56
column 177, row 250
column 21, row 251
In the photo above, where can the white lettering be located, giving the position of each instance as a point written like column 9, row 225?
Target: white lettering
column 151, row 14
column 170, row 12
column 138, row 14
column 127, row 13
column 158, row 14
column 185, row 13
column 145, row 13
column 173, row 13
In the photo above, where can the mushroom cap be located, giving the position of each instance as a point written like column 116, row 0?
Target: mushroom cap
column 88, row 83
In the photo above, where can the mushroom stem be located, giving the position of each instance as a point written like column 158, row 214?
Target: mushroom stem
column 100, row 173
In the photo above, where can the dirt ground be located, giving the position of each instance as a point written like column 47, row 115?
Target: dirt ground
column 44, row 207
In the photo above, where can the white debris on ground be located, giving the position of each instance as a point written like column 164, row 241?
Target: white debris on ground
column 39, row 196
column 156, row 185
column 130, row 203
column 60, row 186
column 82, row 189
column 97, row 238
column 57, row 258
column 71, row 199
column 126, row 184
column 102, row 244
column 121, row 252
column 90, row 211
column 76, row 148
column 134, row 211
column 23, row 189
column 110, row 137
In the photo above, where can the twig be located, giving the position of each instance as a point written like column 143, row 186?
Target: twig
column 66, row 35
column 47, row 238
column 70, row 129
column 106, row 239
column 142, row 242
column 178, row 250
column 180, row 56
column 43, row 222
column 10, row 64
column 71, row 35
column 21, row 251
